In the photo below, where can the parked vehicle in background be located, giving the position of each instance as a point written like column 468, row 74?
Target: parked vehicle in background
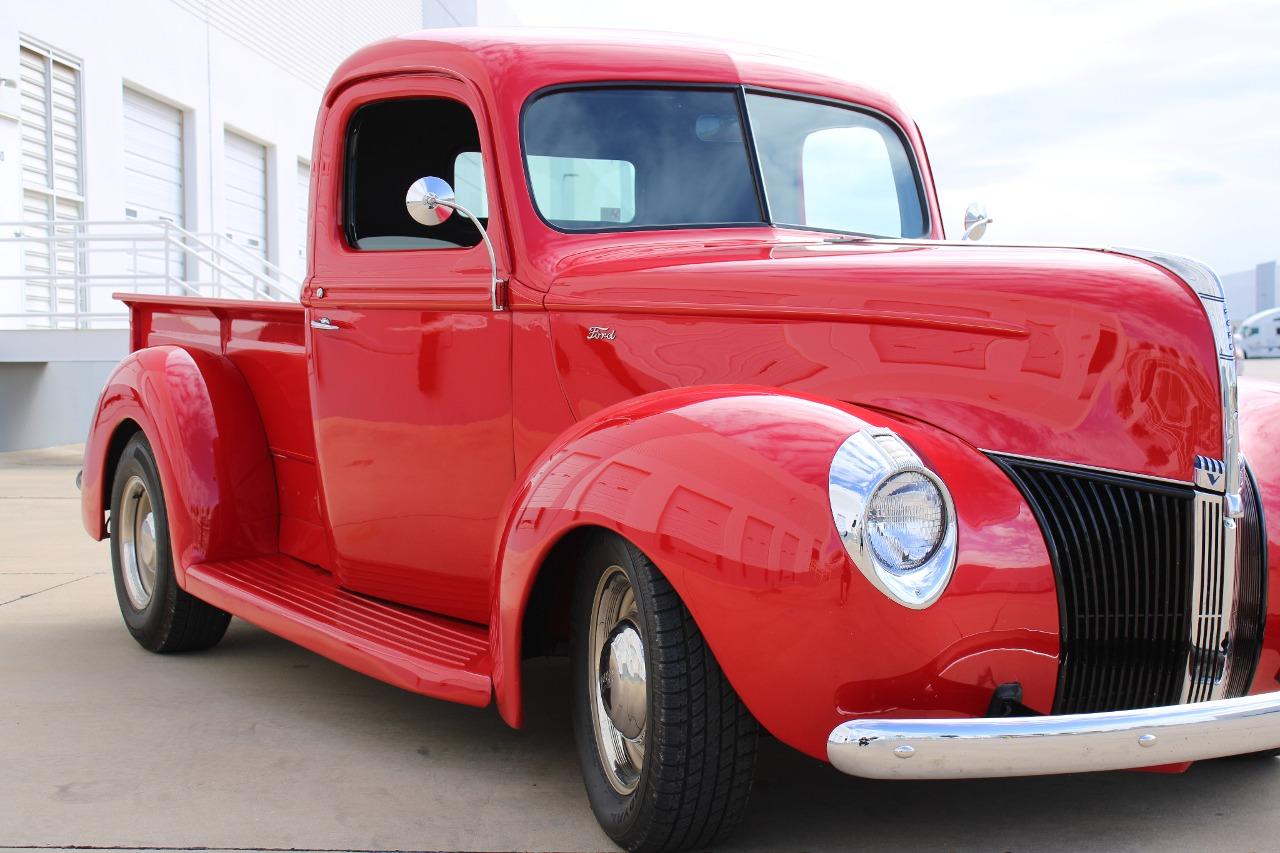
column 655, row 354
column 1259, row 335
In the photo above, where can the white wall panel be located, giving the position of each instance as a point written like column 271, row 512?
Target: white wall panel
column 308, row 39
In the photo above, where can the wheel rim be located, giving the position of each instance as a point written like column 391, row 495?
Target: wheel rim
column 138, row 551
column 619, row 686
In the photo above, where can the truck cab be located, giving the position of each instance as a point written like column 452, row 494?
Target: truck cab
column 655, row 353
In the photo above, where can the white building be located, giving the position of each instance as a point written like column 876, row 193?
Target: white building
column 1250, row 291
column 170, row 140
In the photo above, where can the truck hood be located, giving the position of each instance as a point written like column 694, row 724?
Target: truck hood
column 1079, row 355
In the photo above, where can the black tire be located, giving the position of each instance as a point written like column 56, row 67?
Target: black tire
column 169, row 620
column 699, row 739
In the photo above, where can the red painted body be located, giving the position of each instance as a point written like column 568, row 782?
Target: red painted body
column 430, row 453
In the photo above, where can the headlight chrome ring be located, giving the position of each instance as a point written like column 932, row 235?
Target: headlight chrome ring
column 895, row 517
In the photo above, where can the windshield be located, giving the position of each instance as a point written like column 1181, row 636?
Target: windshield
column 605, row 159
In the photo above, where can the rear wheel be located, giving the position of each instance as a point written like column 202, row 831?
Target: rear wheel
column 666, row 746
column 159, row 615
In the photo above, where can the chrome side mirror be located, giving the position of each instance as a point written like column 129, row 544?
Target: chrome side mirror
column 976, row 221
column 430, row 201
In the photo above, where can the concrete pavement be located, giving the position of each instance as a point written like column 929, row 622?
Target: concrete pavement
column 258, row 744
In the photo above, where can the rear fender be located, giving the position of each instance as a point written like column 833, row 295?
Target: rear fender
column 203, row 425
column 725, row 489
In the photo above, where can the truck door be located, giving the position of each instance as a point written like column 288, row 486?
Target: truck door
column 409, row 361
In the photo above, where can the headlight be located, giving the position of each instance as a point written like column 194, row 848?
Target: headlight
column 895, row 517
column 905, row 521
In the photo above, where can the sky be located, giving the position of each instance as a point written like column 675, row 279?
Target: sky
column 1152, row 124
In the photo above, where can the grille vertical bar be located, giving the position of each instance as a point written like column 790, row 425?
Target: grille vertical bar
column 1207, row 660
column 1122, row 551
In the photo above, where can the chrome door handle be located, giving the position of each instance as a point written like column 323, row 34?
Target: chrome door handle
column 324, row 323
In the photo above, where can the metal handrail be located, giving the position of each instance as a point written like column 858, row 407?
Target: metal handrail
column 218, row 241
column 82, row 258
column 183, row 239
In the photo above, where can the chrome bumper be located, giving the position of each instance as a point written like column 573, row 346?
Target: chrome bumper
column 1071, row 743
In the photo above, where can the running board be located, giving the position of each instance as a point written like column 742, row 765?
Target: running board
column 432, row 655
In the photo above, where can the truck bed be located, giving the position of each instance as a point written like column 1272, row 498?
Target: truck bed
column 266, row 341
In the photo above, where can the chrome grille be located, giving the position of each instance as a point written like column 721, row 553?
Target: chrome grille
column 1149, row 588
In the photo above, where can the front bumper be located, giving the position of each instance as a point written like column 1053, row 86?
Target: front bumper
column 1070, row 743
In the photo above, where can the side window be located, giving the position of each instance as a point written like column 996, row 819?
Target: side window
column 833, row 167
column 390, row 144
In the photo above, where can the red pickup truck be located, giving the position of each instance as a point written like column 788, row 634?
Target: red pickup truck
column 655, row 354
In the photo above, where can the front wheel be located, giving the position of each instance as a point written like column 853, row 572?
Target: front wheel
column 666, row 746
column 159, row 615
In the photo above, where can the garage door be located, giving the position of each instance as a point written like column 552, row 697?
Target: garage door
column 154, row 184
column 244, row 180
column 153, row 179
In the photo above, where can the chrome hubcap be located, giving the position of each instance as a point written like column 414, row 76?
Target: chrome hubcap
column 137, row 526
column 622, row 688
column 619, row 707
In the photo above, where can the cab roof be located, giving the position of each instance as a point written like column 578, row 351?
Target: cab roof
column 511, row 64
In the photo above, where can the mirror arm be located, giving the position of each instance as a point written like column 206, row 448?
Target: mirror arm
column 497, row 298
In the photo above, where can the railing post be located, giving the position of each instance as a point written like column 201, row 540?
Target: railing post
column 133, row 262
column 215, row 268
column 167, row 237
column 80, row 259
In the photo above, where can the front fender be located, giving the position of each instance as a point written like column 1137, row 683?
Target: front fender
column 203, row 425
column 1259, row 439
column 725, row 489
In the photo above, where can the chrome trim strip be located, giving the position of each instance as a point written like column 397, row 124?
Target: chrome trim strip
column 1069, row 743
column 837, row 239
column 1083, row 467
